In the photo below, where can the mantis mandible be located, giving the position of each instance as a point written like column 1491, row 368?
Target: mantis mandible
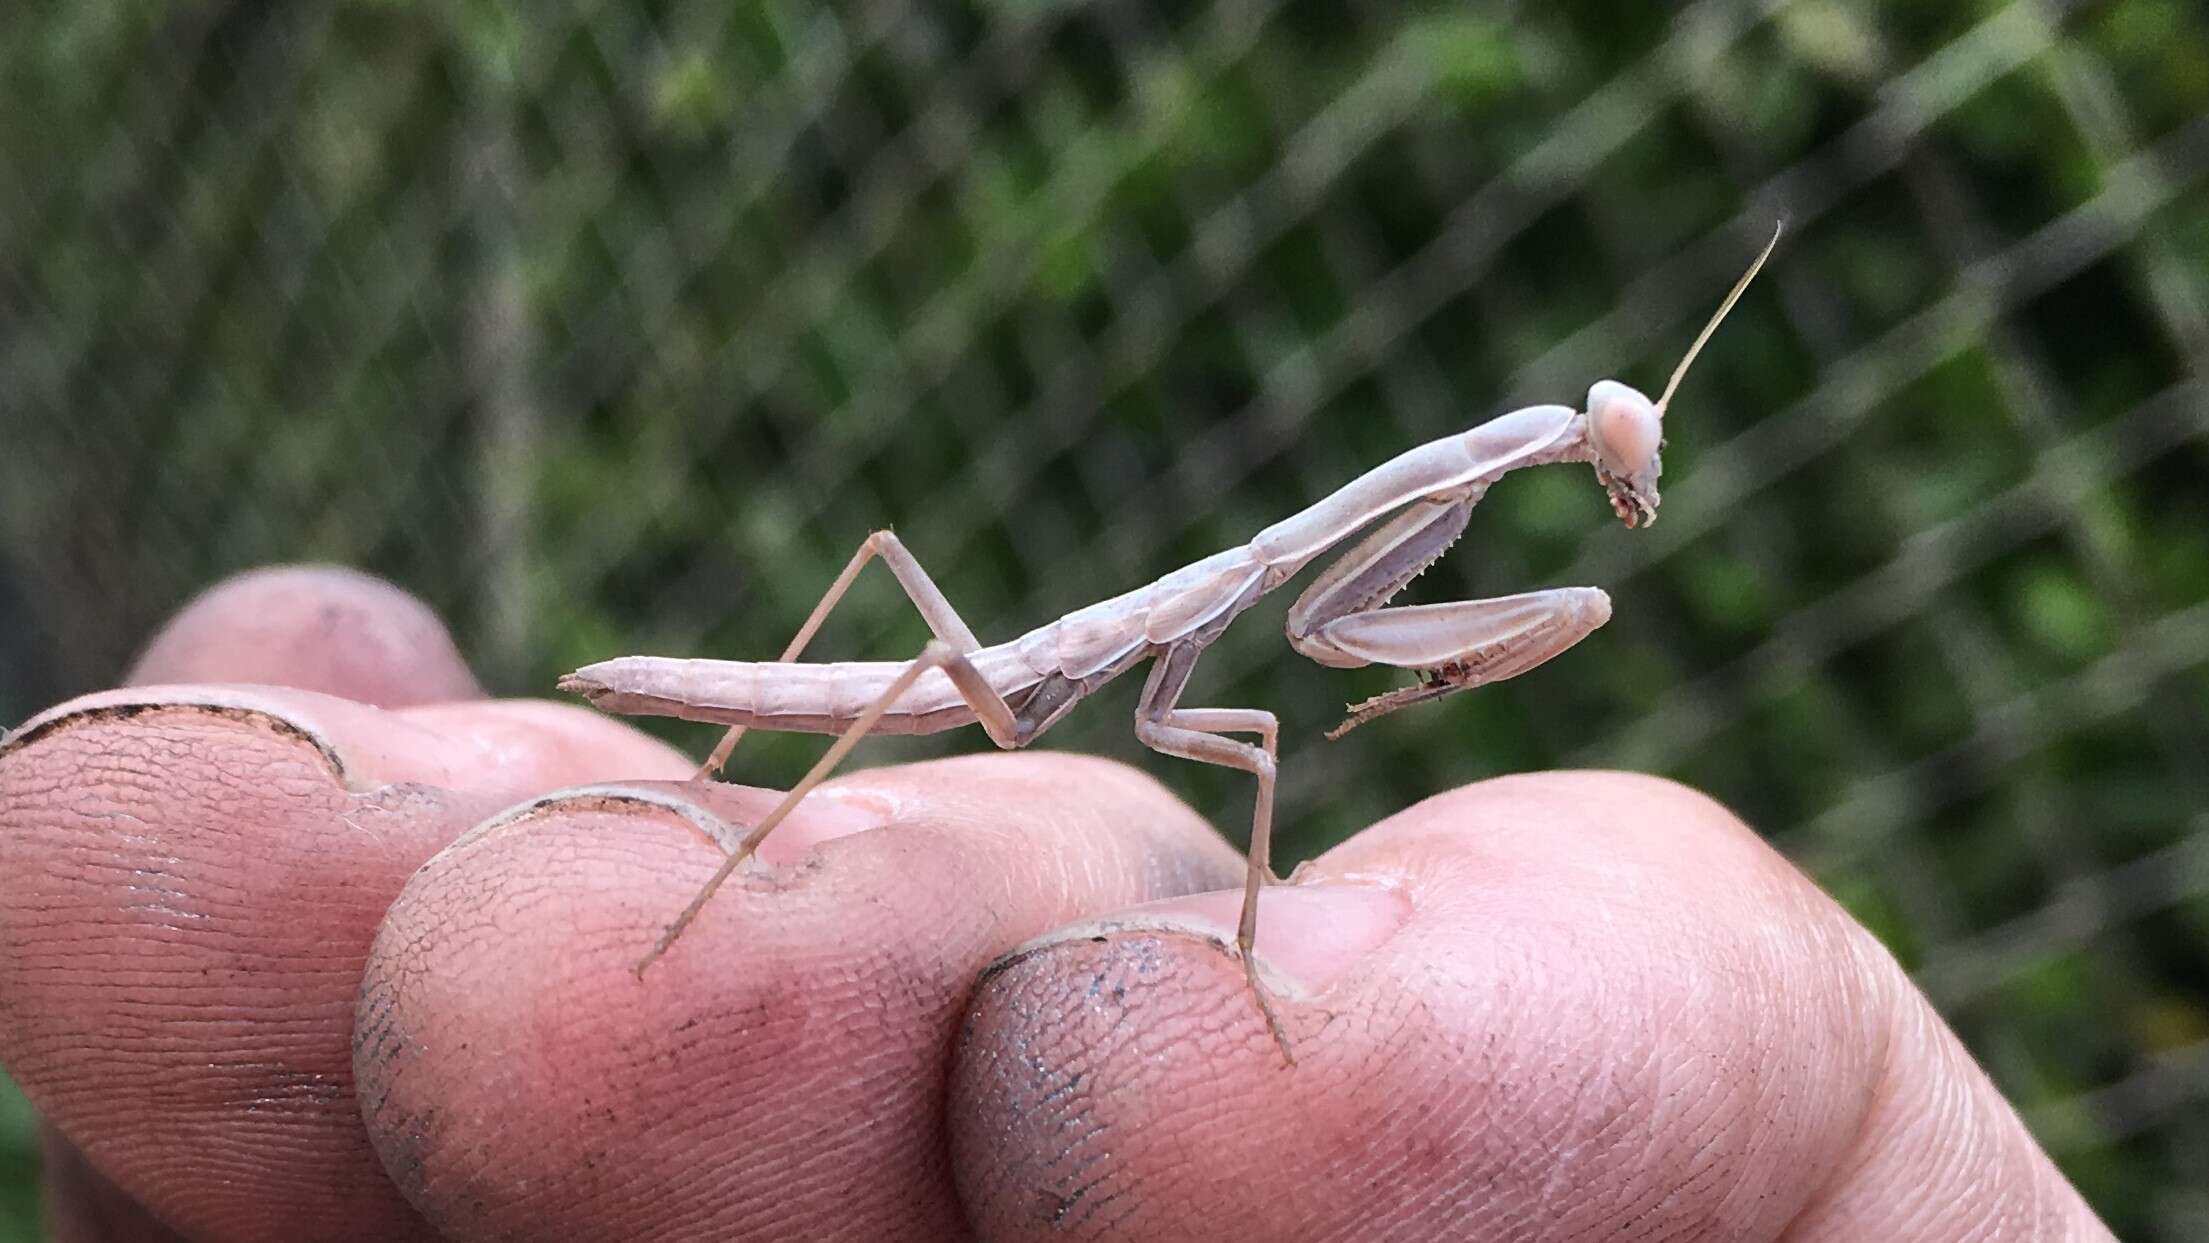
column 1018, row 689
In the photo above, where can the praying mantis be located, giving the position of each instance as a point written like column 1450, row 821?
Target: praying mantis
column 1018, row 689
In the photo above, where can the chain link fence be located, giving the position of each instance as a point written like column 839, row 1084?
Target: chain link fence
column 616, row 328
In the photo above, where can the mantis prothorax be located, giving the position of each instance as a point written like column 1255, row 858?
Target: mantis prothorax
column 1018, row 689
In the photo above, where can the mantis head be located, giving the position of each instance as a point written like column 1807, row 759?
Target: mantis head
column 1626, row 429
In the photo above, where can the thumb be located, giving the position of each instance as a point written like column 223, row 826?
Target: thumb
column 1568, row 1006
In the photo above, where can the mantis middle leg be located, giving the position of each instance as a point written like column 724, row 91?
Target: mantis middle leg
column 943, row 620
column 1196, row 734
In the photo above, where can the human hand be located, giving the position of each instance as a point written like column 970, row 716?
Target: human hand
column 1571, row 1006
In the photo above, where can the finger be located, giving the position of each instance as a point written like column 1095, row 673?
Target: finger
column 317, row 628
column 310, row 627
column 1570, row 1006
column 779, row 1073
column 210, row 864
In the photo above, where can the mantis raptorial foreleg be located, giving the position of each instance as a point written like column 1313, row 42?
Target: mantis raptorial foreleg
column 1195, row 734
column 943, row 620
column 1339, row 620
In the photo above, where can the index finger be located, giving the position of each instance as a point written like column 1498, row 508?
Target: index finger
column 779, row 1074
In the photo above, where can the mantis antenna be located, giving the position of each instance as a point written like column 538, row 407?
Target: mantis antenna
column 1703, row 339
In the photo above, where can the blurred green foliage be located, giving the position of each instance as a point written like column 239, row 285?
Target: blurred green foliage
column 19, row 1219
column 616, row 326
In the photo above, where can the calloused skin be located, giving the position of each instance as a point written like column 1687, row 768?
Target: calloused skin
column 258, row 993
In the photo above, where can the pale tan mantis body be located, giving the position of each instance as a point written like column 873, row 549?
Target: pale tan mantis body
column 1018, row 689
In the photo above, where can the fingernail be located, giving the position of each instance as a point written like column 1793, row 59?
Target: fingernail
column 359, row 752
column 721, row 814
column 825, row 815
column 1309, row 936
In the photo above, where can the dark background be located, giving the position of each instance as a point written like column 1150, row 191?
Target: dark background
column 616, row 330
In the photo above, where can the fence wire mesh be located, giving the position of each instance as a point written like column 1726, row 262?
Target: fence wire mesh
column 616, row 328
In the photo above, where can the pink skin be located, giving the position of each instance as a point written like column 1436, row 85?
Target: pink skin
column 252, row 1017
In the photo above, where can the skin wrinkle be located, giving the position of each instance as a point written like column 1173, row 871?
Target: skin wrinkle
column 1863, row 959
column 1405, row 1115
column 1711, row 1115
column 1065, row 1125
column 1558, row 1156
column 1570, row 1148
column 2023, row 1204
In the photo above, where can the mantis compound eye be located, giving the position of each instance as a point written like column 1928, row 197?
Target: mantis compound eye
column 1626, row 430
column 1625, row 427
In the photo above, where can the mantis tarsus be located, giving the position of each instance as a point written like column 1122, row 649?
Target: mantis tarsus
column 1018, row 689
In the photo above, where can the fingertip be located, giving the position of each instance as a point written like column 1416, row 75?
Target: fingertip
column 1124, row 1084
column 314, row 627
column 803, row 1020
column 211, row 865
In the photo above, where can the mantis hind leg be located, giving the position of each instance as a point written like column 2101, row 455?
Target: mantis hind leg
column 996, row 717
column 1196, row 734
column 943, row 621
